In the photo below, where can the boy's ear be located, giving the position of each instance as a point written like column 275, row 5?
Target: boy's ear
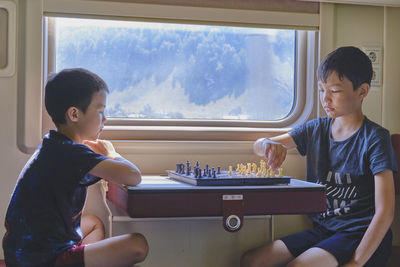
column 363, row 90
column 72, row 114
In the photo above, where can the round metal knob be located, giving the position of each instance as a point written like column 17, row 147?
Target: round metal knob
column 233, row 222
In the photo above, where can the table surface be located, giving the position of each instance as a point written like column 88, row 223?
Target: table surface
column 156, row 183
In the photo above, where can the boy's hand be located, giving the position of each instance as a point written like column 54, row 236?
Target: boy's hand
column 103, row 147
column 275, row 154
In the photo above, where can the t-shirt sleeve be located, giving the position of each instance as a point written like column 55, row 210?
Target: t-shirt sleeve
column 380, row 152
column 83, row 159
column 300, row 136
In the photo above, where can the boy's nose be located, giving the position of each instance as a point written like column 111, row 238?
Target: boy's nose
column 326, row 97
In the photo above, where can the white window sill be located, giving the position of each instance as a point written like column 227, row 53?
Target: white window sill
column 188, row 133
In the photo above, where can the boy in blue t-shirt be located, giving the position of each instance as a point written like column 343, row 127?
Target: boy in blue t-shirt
column 43, row 220
column 353, row 157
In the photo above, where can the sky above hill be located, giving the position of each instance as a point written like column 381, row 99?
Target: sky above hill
column 159, row 70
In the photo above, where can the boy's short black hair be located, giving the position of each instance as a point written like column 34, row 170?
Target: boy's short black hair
column 71, row 88
column 349, row 62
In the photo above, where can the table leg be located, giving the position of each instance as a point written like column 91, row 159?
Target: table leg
column 104, row 189
column 271, row 228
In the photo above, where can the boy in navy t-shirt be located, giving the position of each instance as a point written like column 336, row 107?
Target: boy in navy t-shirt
column 353, row 157
column 43, row 220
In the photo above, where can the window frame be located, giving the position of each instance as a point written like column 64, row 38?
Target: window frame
column 33, row 121
column 221, row 130
column 8, row 38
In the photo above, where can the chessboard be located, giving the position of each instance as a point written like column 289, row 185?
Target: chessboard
column 224, row 179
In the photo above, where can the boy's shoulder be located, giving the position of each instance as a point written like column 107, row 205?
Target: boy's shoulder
column 56, row 146
column 373, row 125
column 372, row 129
column 57, row 140
column 59, row 153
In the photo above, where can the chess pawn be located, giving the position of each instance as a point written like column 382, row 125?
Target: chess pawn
column 272, row 173
column 280, row 172
column 254, row 168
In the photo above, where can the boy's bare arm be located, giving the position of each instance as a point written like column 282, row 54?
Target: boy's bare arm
column 384, row 213
column 115, row 169
column 285, row 139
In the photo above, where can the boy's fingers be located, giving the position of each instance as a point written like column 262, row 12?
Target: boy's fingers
column 270, row 155
column 267, row 150
column 276, row 156
column 281, row 159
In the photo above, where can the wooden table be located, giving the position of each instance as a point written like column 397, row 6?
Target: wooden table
column 160, row 196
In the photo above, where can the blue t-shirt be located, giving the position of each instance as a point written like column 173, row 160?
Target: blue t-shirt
column 43, row 217
column 346, row 168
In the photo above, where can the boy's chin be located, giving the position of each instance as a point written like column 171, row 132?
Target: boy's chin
column 331, row 115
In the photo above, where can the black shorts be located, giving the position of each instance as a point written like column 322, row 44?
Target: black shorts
column 340, row 244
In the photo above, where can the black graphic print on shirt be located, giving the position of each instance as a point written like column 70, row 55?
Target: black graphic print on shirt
column 340, row 194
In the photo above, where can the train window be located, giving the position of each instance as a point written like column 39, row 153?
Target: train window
column 178, row 71
column 185, row 75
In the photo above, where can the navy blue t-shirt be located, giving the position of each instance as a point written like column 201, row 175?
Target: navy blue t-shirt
column 346, row 168
column 43, row 217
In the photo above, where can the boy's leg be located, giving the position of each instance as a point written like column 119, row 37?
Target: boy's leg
column 314, row 257
column 273, row 254
column 124, row 250
column 282, row 251
column 335, row 250
column 92, row 229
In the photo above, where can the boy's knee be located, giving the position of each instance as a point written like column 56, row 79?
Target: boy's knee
column 92, row 228
column 140, row 247
column 93, row 220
